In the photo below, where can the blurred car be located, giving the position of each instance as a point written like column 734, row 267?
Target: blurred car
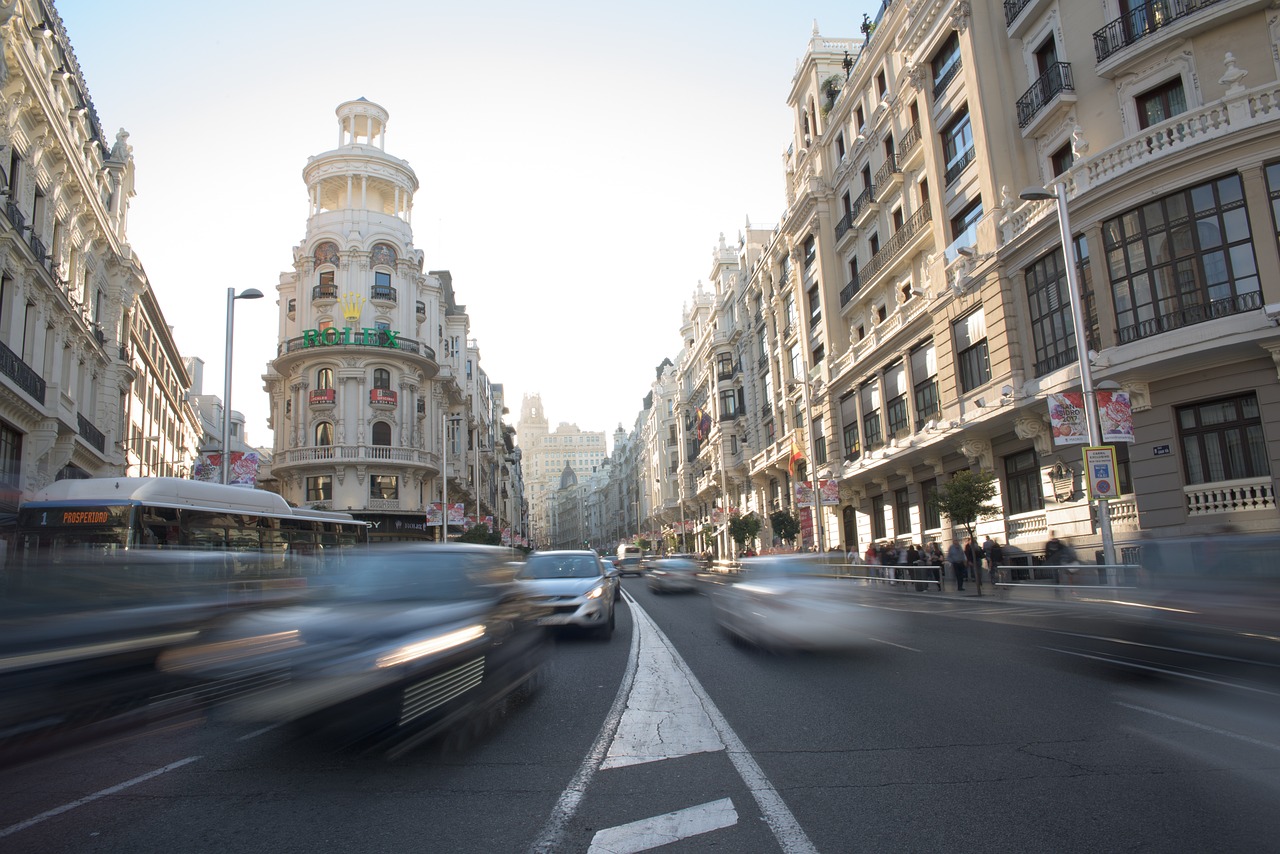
column 410, row 641
column 81, row 632
column 792, row 602
column 672, row 575
column 575, row 586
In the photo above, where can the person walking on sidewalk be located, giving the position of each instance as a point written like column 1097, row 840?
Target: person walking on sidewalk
column 959, row 565
column 995, row 557
column 973, row 556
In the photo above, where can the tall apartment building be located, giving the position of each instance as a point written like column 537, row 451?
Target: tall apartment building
column 545, row 453
column 909, row 315
column 377, row 395
column 91, row 383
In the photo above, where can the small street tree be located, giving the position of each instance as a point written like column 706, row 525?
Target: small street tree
column 743, row 528
column 785, row 525
column 482, row 535
column 967, row 498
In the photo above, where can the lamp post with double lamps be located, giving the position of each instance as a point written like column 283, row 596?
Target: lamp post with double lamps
column 1094, row 423
column 232, row 296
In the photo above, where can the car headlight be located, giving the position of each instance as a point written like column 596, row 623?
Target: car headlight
column 596, row 592
column 430, row 646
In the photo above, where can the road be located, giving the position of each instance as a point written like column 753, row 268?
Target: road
column 968, row 728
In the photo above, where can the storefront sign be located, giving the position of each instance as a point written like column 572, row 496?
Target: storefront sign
column 334, row 337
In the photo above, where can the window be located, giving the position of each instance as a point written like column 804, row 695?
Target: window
column 10, row 459
column 384, row 486
column 964, row 225
column 859, row 118
column 946, row 64
column 724, row 365
column 320, row 488
column 849, row 422
column 815, row 307
column 324, row 378
column 1273, row 192
column 929, row 504
column 1223, row 440
column 793, row 361
column 924, row 374
column 1049, row 302
column 381, row 433
column 957, row 145
column 1060, row 161
column 972, row 359
column 1182, row 259
column 728, row 404
column 381, row 378
column 1165, row 101
column 1022, row 482
column 901, row 511
column 882, row 85
column 840, row 147
column 819, row 442
column 878, row 530
column 870, row 393
column 810, row 250
column 818, row 353
column 789, row 312
column 895, row 392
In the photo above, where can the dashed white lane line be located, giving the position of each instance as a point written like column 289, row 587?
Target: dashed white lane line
column 23, row 825
column 649, row 833
column 1213, row 729
column 257, row 732
column 891, row 643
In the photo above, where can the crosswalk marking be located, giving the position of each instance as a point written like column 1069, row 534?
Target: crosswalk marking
column 648, row 833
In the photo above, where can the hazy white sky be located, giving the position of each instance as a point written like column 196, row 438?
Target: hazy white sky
column 578, row 162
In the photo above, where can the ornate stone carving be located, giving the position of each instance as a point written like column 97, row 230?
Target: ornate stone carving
column 961, row 16
column 1033, row 427
column 977, row 450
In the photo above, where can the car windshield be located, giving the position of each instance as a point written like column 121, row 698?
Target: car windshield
column 560, row 566
column 440, row 577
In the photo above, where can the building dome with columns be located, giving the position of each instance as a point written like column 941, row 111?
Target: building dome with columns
column 372, row 351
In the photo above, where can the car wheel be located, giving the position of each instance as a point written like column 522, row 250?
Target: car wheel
column 605, row 632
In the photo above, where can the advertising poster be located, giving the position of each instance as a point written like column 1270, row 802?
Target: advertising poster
column 435, row 512
column 806, row 527
column 457, row 514
column 1067, row 418
column 830, row 491
column 243, row 471
column 1115, row 415
column 804, row 493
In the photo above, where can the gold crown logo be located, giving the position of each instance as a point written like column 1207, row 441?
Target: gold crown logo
column 352, row 304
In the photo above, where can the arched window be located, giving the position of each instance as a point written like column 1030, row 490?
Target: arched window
column 324, row 378
column 381, row 378
column 324, row 434
column 381, row 433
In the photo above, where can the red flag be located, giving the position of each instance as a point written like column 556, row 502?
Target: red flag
column 796, row 456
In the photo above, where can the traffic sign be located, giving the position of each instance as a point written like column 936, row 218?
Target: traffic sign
column 1100, row 465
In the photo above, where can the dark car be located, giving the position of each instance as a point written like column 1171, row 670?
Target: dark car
column 411, row 641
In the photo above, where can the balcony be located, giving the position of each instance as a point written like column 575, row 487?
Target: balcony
column 322, row 397
column 91, row 434
column 38, row 249
column 887, row 178
column 12, row 366
column 940, row 84
column 384, row 504
column 1012, row 8
column 864, row 205
column 844, row 224
column 1230, row 496
column 1059, row 360
column 15, row 215
column 320, row 293
column 383, row 293
column 909, row 146
column 847, row 292
column 900, row 240
column 1055, row 89
column 382, row 398
column 956, row 169
column 1190, row 316
column 1142, row 22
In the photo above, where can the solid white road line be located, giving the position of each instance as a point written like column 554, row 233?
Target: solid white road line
column 549, row 840
column 891, row 643
column 23, row 825
column 1213, row 729
column 791, row 837
column 648, row 833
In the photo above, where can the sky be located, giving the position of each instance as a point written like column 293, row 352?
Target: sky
column 577, row 163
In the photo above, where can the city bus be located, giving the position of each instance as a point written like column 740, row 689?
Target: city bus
column 172, row 522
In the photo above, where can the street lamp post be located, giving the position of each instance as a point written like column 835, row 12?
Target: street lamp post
column 232, row 296
column 813, row 466
column 1082, row 346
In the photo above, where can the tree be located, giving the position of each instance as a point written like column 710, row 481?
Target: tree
column 743, row 528
column 785, row 525
column 965, row 499
column 482, row 535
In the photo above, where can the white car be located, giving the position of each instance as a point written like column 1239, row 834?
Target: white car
column 793, row 602
column 576, row 586
column 672, row 575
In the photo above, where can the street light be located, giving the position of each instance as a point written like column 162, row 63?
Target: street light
column 1036, row 194
column 232, row 296
column 813, row 466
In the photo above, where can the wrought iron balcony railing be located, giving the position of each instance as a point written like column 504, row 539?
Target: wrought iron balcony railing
column 1054, row 81
column 1141, row 22
column 319, row 292
column 91, row 434
column 12, row 366
column 1190, row 315
column 896, row 244
column 1012, row 8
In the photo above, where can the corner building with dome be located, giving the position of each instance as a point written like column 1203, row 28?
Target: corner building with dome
column 376, row 387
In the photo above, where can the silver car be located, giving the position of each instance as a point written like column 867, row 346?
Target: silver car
column 672, row 575
column 576, row 586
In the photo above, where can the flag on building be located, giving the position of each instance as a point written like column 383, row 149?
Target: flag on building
column 796, row 456
column 702, row 424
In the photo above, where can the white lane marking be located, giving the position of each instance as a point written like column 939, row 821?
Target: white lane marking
column 1213, row 729
column 1164, row 671
column 23, row 825
column 791, row 837
column 258, row 732
column 664, row 717
column 648, row 833
column 551, row 838
column 891, row 643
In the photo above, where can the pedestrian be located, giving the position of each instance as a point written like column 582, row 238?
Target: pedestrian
column 973, row 555
column 935, row 559
column 995, row 558
column 959, row 565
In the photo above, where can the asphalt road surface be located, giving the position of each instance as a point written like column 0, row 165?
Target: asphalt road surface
column 975, row 725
